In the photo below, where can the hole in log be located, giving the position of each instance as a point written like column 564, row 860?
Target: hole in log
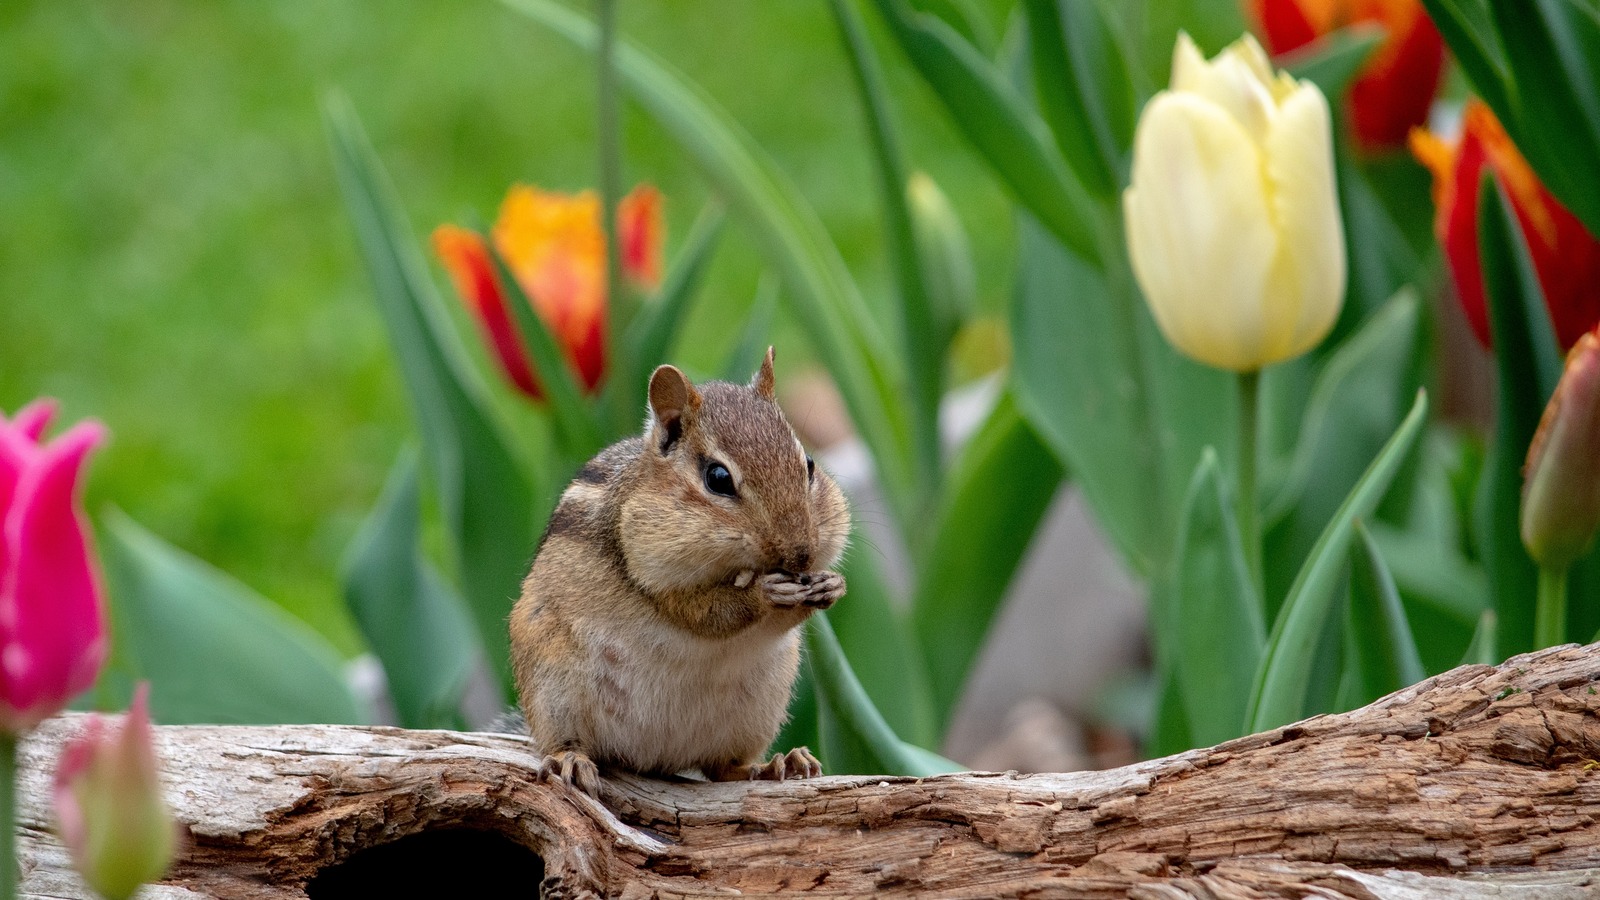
column 448, row 863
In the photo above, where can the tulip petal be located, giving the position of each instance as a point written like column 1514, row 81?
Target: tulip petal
column 1238, row 80
column 1308, row 280
column 1561, row 496
column 639, row 226
column 52, row 619
column 33, row 419
column 1196, row 197
column 467, row 259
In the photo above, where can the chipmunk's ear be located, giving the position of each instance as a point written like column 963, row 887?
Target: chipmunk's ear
column 763, row 381
column 673, row 403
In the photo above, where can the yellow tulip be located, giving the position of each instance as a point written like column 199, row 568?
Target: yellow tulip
column 1232, row 218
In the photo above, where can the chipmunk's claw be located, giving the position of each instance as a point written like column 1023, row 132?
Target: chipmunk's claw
column 570, row 767
column 797, row 763
column 815, row 590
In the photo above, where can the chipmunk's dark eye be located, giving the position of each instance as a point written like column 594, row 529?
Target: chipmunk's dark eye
column 719, row 480
column 811, row 469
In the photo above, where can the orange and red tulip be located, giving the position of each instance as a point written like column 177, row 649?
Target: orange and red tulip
column 1565, row 256
column 553, row 245
column 1395, row 87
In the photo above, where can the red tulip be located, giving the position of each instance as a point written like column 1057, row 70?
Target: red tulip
column 553, row 245
column 52, row 609
column 1396, row 86
column 109, row 808
column 1565, row 256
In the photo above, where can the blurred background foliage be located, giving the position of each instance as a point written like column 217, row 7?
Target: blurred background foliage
column 176, row 260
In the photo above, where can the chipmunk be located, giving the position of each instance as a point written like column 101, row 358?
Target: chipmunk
column 657, row 630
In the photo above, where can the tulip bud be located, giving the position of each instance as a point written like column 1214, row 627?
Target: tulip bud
column 52, row 616
column 1233, row 223
column 1561, row 490
column 945, row 255
column 109, row 808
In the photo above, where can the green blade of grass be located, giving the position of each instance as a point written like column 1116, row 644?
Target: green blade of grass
column 825, row 299
column 999, row 490
column 649, row 338
column 1465, row 27
column 416, row 625
column 1528, row 364
column 923, row 354
column 1216, row 631
column 1084, row 88
column 1286, row 668
column 485, row 496
column 214, row 651
column 1014, row 141
column 1378, row 641
column 851, row 710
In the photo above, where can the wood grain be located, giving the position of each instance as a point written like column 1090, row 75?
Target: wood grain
column 1481, row 782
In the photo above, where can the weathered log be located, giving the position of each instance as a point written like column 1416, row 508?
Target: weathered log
column 1481, row 782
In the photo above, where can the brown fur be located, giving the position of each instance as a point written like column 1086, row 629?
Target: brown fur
column 633, row 644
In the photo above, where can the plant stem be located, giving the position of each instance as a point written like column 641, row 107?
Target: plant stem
column 610, row 165
column 1550, row 615
column 8, row 817
column 1249, row 528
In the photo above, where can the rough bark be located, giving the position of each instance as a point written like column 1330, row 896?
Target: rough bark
column 1480, row 782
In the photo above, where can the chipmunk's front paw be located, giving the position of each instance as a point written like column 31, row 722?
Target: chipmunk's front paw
column 572, row 767
column 815, row 590
column 797, row 763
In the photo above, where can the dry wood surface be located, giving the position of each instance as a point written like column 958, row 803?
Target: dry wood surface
column 1481, row 782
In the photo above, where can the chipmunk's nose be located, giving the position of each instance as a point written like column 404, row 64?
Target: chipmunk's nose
column 797, row 559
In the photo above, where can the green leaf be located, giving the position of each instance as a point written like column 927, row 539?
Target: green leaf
column 1356, row 401
column 213, row 650
column 945, row 256
column 1482, row 650
column 1553, row 59
column 1122, row 411
column 580, row 435
column 1382, row 257
column 1014, row 141
column 1285, row 673
column 1080, row 75
column 1528, row 364
column 415, row 623
column 924, row 356
column 999, row 490
column 1466, row 28
column 1430, row 573
column 651, row 334
column 825, row 301
column 485, row 497
column 875, row 631
column 1170, row 731
column 1215, row 632
column 751, row 347
column 852, row 712
column 802, row 729
column 1378, row 641
column 1332, row 61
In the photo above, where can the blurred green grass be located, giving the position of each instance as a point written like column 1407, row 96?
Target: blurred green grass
column 175, row 261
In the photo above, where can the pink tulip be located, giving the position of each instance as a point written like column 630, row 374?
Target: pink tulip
column 109, row 807
column 52, row 612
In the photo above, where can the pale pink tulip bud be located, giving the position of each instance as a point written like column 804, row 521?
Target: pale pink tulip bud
column 109, row 807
